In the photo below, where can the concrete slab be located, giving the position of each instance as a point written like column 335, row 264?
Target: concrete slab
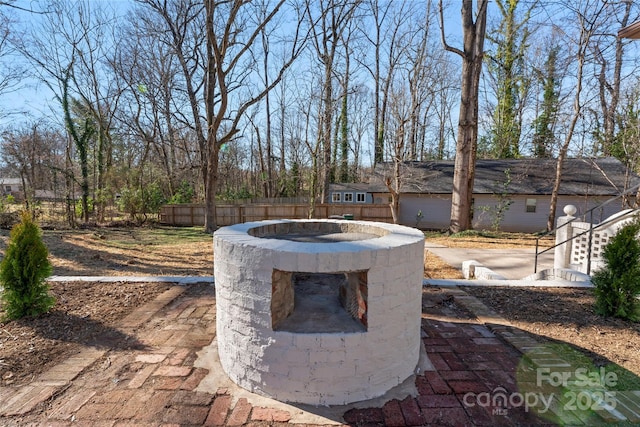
column 510, row 263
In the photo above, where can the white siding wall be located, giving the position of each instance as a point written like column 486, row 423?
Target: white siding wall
column 516, row 218
column 436, row 210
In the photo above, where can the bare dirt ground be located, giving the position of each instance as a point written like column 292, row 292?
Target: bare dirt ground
column 88, row 313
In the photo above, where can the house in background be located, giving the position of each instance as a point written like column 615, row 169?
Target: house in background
column 350, row 193
column 11, row 186
column 521, row 187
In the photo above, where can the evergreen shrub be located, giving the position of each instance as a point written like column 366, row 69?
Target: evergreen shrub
column 617, row 284
column 23, row 272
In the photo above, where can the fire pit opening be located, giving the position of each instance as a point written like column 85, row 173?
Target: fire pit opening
column 319, row 302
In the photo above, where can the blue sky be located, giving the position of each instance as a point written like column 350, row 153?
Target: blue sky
column 32, row 99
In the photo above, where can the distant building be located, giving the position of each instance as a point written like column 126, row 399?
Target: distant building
column 11, row 186
column 525, row 185
column 350, row 193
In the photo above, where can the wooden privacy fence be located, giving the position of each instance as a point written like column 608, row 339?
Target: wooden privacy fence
column 193, row 214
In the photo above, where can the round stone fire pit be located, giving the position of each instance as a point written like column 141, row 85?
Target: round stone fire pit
column 323, row 312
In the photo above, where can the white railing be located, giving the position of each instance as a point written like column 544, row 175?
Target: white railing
column 580, row 245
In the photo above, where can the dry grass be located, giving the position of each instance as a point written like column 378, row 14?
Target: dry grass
column 436, row 268
column 489, row 240
column 134, row 251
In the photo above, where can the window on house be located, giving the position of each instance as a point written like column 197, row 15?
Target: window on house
column 361, row 197
column 348, row 197
column 335, row 197
column 531, row 205
column 7, row 188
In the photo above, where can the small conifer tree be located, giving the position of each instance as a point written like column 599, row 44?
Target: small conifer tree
column 23, row 272
column 617, row 284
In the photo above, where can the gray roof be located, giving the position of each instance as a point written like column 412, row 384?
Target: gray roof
column 10, row 181
column 584, row 176
column 355, row 186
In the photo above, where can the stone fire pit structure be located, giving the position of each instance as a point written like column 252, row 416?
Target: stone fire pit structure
column 321, row 312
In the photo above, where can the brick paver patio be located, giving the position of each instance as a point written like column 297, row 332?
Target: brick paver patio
column 475, row 355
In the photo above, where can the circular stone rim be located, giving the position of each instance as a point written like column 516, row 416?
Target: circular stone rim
column 393, row 236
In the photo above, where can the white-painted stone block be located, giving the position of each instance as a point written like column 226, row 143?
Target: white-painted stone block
column 299, row 372
column 308, row 262
column 277, row 368
column 285, row 364
column 311, row 341
column 334, row 370
column 469, row 268
column 327, row 263
column 318, row 356
column 332, row 342
column 297, row 357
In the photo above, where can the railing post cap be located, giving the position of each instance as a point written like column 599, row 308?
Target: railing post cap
column 570, row 210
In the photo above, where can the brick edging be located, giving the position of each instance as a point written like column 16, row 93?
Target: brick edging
column 545, row 358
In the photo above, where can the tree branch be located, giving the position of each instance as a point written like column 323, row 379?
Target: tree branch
column 446, row 46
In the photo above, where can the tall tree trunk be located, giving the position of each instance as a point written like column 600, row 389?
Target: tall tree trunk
column 394, row 182
column 577, row 108
column 211, row 185
column 378, row 156
column 327, row 115
column 588, row 20
column 70, row 184
column 609, row 109
column 267, row 101
column 263, row 171
column 466, row 145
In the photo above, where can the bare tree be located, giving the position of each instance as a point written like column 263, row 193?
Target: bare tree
column 610, row 73
column 360, row 108
column 327, row 31
column 232, row 30
column 33, row 153
column 467, row 144
column 10, row 72
column 421, row 66
column 587, row 15
column 67, row 49
column 445, row 92
column 400, row 109
column 157, row 111
column 387, row 24
column 171, row 60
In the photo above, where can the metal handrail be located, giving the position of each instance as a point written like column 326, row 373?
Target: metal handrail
column 590, row 231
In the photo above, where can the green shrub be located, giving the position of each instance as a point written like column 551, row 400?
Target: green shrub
column 139, row 202
column 90, row 207
column 618, row 283
column 23, row 272
column 184, row 193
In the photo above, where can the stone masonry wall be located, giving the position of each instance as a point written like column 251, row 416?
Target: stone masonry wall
column 319, row 368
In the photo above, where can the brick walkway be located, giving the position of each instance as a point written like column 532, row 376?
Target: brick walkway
column 476, row 356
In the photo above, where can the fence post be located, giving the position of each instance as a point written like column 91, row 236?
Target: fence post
column 564, row 232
